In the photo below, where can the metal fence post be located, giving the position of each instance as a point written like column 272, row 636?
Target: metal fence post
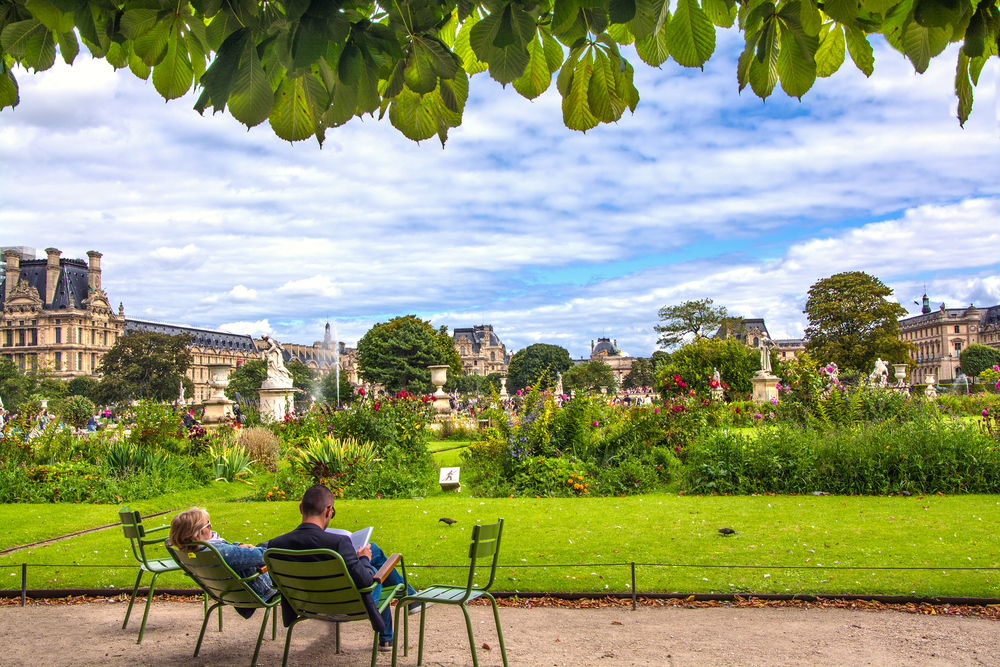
column 633, row 585
column 24, row 583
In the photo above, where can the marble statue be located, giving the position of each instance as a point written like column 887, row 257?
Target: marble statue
column 716, row 378
column 880, row 376
column 277, row 374
column 559, row 384
column 765, row 354
column 180, row 392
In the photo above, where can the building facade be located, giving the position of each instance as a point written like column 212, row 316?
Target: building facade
column 606, row 350
column 755, row 331
column 55, row 313
column 481, row 351
column 324, row 356
column 940, row 336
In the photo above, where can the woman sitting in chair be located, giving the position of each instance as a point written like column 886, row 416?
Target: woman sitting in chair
column 194, row 525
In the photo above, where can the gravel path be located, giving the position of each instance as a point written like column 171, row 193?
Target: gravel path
column 79, row 635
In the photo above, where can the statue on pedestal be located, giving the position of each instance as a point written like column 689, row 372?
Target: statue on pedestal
column 879, row 376
column 277, row 374
column 765, row 354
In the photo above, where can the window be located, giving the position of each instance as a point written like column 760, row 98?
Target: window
column 93, row 363
column 958, row 329
column 58, row 333
column 34, row 337
column 93, row 336
column 493, row 356
column 8, row 338
column 58, row 361
column 105, row 338
column 79, row 361
column 958, row 348
column 79, row 335
column 20, row 337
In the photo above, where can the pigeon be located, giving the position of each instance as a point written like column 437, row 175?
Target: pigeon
column 727, row 531
column 905, row 493
column 447, row 520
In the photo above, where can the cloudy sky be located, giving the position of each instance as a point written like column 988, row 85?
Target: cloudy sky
column 548, row 234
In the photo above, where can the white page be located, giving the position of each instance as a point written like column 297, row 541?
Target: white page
column 358, row 539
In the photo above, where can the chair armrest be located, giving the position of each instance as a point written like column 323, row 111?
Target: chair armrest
column 158, row 528
column 155, row 540
column 387, row 567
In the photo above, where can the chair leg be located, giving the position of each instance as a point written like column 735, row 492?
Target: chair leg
column 260, row 637
column 149, row 599
column 337, row 633
column 220, row 619
column 395, row 636
column 204, row 624
column 288, row 642
column 135, row 590
column 420, row 643
column 375, row 647
column 274, row 624
column 472, row 641
column 496, row 618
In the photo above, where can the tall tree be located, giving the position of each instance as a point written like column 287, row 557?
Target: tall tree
column 976, row 358
column 591, row 374
column 144, row 364
column 695, row 362
column 396, row 354
column 640, row 375
column 306, row 67
column 18, row 389
column 246, row 379
column 695, row 319
column 852, row 322
column 534, row 362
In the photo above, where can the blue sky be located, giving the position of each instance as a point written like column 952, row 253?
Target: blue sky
column 548, row 234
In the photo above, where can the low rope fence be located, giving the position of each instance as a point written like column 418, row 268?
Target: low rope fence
column 24, row 592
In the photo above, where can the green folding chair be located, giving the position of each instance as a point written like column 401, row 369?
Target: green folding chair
column 317, row 584
column 137, row 537
column 485, row 543
column 224, row 587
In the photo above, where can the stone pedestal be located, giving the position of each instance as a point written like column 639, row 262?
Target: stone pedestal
column 217, row 407
column 276, row 401
column 503, row 388
column 765, row 387
column 929, row 390
column 439, row 375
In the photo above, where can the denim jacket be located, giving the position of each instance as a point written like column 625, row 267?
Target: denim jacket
column 245, row 562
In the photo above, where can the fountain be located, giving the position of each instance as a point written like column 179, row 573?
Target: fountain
column 961, row 384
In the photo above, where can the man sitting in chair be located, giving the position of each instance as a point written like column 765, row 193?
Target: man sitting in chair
column 317, row 510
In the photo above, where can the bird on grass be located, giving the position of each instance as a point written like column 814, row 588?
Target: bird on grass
column 727, row 531
column 447, row 520
column 905, row 493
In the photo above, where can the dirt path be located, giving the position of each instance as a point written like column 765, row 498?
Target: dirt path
column 90, row 634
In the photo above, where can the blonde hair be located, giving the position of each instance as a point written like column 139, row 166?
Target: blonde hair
column 185, row 527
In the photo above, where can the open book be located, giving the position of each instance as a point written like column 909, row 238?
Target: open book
column 358, row 539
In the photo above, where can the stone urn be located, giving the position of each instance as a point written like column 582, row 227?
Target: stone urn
column 503, row 388
column 439, row 375
column 217, row 406
column 929, row 390
column 900, row 370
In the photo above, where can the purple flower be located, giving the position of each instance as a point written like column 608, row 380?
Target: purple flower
column 774, row 401
column 986, row 412
column 758, row 416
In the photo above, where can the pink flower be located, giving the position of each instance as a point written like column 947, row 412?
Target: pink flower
column 656, row 411
column 758, row 416
column 986, row 412
column 518, row 392
column 595, row 424
column 774, row 401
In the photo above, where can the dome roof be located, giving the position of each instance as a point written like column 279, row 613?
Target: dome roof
column 604, row 346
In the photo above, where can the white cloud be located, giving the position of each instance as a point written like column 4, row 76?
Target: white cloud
column 317, row 286
column 173, row 258
column 248, row 328
column 241, row 293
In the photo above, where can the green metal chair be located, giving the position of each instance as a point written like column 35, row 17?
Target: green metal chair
column 485, row 543
column 224, row 587
column 317, row 584
column 137, row 537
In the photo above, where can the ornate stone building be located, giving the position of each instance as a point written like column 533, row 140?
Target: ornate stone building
column 481, row 351
column 323, row 356
column 55, row 313
column 607, row 351
column 755, row 330
column 208, row 348
column 940, row 336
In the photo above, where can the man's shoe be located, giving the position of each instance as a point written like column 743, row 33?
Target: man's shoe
column 384, row 647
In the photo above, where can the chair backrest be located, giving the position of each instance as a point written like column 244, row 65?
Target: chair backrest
column 485, row 543
column 132, row 527
column 212, row 574
column 316, row 583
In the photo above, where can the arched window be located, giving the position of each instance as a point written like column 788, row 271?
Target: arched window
column 756, row 342
column 493, row 356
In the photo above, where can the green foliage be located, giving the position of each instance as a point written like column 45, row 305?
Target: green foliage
column 245, row 380
column 307, row 67
column 696, row 361
column 977, row 358
column 691, row 318
column 230, row 463
column 642, row 374
column 145, row 365
column 329, row 457
column 77, row 410
column 474, row 384
column 396, row 354
column 21, row 391
column 155, row 426
column 925, row 456
column 328, row 387
column 537, row 362
column 590, row 375
column 82, row 385
column 852, row 322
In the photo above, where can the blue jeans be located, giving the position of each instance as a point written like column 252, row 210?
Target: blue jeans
column 378, row 560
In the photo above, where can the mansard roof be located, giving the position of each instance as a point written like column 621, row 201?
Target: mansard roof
column 207, row 338
column 72, row 286
column 478, row 335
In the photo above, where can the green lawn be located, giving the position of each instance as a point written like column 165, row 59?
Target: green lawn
column 542, row 536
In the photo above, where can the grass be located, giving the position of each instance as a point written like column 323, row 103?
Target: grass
column 543, row 537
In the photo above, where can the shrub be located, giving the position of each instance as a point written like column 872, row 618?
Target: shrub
column 977, row 358
column 329, row 457
column 230, row 463
column 77, row 410
column 260, row 444
column 155, row 425
column 735, row 360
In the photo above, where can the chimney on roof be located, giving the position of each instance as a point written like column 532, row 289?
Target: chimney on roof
column 13, row 259
column 615, row 343
column 94, row 270
column 51, row 274
column 591, row 345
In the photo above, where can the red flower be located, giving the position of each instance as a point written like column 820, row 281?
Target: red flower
column 678, row 379
column 678, row 408
column 681, row 383
column 361, row 391
column 714, row 384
